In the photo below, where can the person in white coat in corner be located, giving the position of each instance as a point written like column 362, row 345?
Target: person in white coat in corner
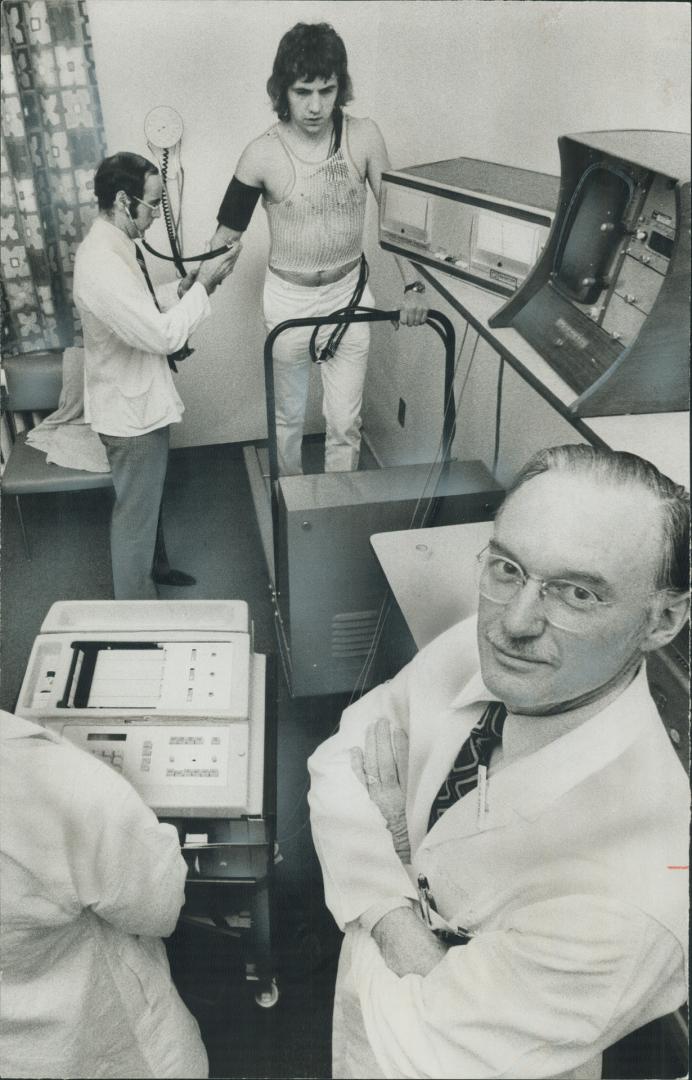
column 91, row 881
column 513, row 890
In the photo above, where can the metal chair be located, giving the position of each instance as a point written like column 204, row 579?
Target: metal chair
column 34, row 382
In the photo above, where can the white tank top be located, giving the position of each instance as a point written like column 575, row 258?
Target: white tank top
column 319, row 224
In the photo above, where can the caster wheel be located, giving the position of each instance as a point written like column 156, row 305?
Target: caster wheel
column 267, row 999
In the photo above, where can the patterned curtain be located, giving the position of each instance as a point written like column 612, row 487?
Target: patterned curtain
column 52, row 141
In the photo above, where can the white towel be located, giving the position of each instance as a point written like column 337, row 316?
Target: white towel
column 64, row 436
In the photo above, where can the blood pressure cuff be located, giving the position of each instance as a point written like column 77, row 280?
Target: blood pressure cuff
column 238, row 205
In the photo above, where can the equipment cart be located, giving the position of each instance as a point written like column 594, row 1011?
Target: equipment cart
column 172, row 695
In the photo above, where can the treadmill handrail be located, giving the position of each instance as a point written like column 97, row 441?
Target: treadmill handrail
column 435, row 319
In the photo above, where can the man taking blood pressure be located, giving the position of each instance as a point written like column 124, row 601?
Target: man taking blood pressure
column 133, row 337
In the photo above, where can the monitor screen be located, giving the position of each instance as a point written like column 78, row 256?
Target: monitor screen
column 499, row 240
column 406, row 213
column 591, row 234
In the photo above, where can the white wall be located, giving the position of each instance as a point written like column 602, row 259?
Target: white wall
column 479, row 78
column 501, row 81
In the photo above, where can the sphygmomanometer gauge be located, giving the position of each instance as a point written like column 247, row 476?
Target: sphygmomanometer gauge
column 163, row 127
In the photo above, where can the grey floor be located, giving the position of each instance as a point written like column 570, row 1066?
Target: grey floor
column 211, row 533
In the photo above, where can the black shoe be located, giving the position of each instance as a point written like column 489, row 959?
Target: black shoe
column 173, row 577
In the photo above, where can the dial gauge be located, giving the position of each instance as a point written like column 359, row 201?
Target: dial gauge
column 163, row 127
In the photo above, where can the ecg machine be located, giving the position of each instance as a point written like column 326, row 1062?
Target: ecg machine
column 169, row 694
column 172, row 696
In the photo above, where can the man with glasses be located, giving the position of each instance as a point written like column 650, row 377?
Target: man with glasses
column 133, row 336
column 503, row 827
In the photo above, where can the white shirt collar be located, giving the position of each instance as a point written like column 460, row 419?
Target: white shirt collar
column 474, row 691
column 523, row 734
column 114, row 236
column 543, row 774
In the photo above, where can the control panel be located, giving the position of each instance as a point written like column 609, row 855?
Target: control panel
column 472, row 219
column 161, row 761
column 668, row 671
column 645, row 262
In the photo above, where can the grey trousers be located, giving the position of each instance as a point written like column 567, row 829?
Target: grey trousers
column 138, row 464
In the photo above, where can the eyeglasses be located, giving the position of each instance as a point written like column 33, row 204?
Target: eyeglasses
column 566, row 605
column 152, row 206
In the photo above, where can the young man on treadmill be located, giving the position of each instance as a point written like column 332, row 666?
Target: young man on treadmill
column 311, row 169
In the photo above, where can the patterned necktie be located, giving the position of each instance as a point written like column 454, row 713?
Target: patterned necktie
column 463, row 776
column 180, row 354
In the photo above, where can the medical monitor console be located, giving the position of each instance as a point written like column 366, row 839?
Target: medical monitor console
column 607, row 303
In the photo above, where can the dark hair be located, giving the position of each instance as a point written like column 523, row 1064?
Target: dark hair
column 309, row 51
column 619, row 468
column 122, row 172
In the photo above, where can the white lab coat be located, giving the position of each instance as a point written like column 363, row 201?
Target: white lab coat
column 566, row 878
column 128, row 386
column 90, row 882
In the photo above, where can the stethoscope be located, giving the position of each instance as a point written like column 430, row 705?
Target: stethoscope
column 163, row 127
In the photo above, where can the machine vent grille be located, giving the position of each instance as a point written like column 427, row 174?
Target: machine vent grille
column 353, row 633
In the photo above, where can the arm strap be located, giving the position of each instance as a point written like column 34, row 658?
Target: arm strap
column 238, row 205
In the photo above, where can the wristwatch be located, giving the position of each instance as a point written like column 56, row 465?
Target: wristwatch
column 414, row 286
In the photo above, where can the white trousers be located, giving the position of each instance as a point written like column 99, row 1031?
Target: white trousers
column 342, row 376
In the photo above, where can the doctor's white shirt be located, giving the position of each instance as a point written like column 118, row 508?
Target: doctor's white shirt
column 128, row 386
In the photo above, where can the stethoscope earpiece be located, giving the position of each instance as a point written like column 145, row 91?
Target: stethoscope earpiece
column 126, row 208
